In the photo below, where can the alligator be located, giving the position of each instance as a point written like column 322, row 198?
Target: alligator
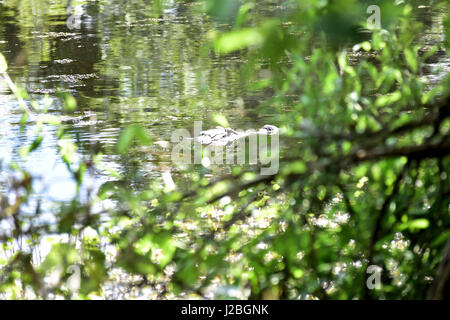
column 221, row 136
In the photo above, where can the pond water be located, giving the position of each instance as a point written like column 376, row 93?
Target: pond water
column 126, row 62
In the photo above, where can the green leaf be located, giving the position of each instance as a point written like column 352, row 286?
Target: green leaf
column 131, row 133
column 411, row 59
column 440, row 239
column 388, row 99
column 366, row 46
column 69, row 102
column 446, row 25
column 188, row 272
column 415, row 224
column 3, row 63
column 242, row 15
column 419, row 224
column 23, row 121
column 221, row 120
column 67, row 149
column 24, row 151
column 298, row 167
column 160, row 247
column 23, row 93
column 36, row 143
column 125, row 139
column 237, row 40
column 377, row 41
column 61, row 254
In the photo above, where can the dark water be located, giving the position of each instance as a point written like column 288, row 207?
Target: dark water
column 126, row 62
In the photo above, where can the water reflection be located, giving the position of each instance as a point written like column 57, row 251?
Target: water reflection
column 125, row 63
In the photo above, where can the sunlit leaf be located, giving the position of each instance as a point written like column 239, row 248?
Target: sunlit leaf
column 236, row 40
column 3, row 63
column 220, row 119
